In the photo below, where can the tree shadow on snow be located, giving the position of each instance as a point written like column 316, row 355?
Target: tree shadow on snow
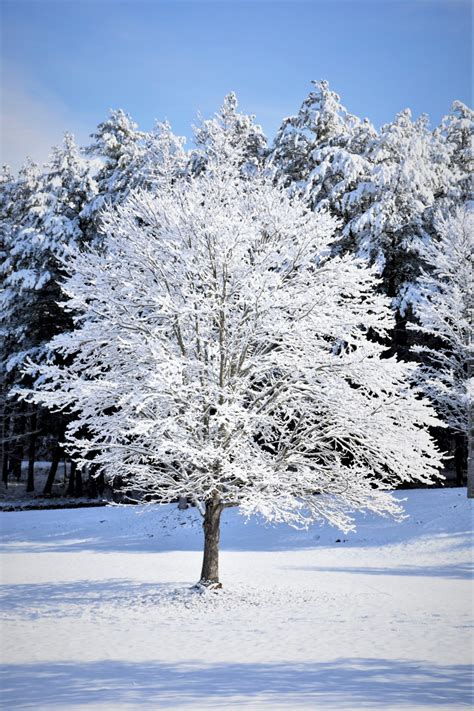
column 31, row 600
column 453, row 571
column 348, row 682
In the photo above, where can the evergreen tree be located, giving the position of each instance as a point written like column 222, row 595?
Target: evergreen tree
column 320, row 120
column 445, row 310
column 131, row 159
column 224, row 134
column 19, row 203
column 162, row 160
column 458, row 131
column 6, row 188
column 118, row 146
column 43, row 222
column 388, row 212
column 319, row 152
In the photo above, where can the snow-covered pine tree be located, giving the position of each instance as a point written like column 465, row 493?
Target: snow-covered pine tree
column 445, row 310
column 6, row 187
column 452, row 167
column 44, row 222
column 320, row 151
column 382, row 188
column 458, row 130
column 118, row 145
column 18, row 203
column 388, row 213
column 131, row 159
column 225, row 133
column 452, row 162
column 321, row 120
column 222, row 356
column 162, row 160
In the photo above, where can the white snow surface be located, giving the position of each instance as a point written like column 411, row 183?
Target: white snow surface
column 97, row 611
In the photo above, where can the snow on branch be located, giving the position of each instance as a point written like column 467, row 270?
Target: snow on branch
column 220, row 352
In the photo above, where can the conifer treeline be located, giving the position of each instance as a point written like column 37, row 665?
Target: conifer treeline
column 402, row 195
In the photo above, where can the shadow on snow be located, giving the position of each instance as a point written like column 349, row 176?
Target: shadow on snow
column 454, row 571
column 65, row 598
column 372, row 682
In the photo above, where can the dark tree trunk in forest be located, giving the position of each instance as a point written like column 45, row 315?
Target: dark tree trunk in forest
column 48, row 487
column 56, row 458
column 16, row 451
column 5, row 448
column 71, row 486
column 100, row 483
column 398, row 345
column 30, row 484
column 393, row 276
column 95, row 483
column 400, row 338
column 211, row 526
column 460, row 447
column 92, row 491
column 78, row 482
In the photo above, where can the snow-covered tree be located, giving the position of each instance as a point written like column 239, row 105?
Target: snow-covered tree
column 6, row 188
column 224, row 134
column 320, row 151
column 162, row 160
column 388, row 210
column 44, row 223
column 458, row 130
column 43, row 220
column 381, row 187
column 219, row 356
column 321, row 120
column 445, row 311
column 132, row 159
column 338, row 168
column 118, row 145
column 19, row 203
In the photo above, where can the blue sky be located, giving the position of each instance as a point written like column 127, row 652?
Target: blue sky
column 65, row 63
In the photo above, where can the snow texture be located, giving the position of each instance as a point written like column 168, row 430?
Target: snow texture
column 98, row 611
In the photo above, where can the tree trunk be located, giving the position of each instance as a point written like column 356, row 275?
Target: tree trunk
column 78, row 482
column 460, row 458
column 5, row 448
column 400, row 336
column 210, row 563
column 100, row 483
column 56, row 458
column 30, row 484
column 16, row 451
column 92, row 491
column 71, row 486
column 48, row 487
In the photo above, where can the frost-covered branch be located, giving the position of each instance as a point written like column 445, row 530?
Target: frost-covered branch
column 221, row 355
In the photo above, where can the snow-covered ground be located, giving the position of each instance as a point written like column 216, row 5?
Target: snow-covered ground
column 97, row 611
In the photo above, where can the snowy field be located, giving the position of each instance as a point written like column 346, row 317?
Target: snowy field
column 97, row 611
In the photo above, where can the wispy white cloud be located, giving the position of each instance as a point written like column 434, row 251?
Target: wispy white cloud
column 32, row 120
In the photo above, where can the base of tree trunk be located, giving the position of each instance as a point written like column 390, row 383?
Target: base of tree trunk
column 204, row 586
